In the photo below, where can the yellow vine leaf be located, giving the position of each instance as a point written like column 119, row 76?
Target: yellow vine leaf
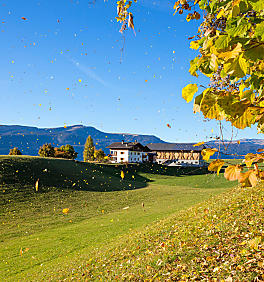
column 220, row 14
column 194, row 45
column 231, row 54
column 250, row 158
column 188, row 91
column 232, row 172
column 207, row 153
column 216, row 166
column 248, row 179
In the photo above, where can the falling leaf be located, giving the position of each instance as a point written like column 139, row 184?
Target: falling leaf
column 102, row 211
column 80, row 80
column 198, row 144
column 238, row 142
column 122, row 174
column 216, row 166
column 66, row 210
column 67, row 88
column 23, row 18
column 37, row 185
column 146, row 80
column 207, row 153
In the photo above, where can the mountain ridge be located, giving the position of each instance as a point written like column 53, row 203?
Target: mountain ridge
column 29, row 139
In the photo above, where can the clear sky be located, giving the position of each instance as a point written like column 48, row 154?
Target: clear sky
column 63, row 65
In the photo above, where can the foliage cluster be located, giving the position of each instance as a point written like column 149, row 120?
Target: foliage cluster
column 47, row 151
column 15, row 152
column 65, row 152
column 230, row 41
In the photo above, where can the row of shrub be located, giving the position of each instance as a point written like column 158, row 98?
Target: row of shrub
column 68, row 152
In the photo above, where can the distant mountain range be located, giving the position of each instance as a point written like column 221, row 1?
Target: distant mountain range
column 241, row 147
column 29, row 139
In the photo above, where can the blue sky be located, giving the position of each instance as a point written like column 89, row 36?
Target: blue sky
column 64, row 66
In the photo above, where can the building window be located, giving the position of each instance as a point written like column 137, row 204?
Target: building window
column 121, row 159
column 121, row 153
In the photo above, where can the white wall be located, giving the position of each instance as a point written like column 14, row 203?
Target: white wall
column 128, row 156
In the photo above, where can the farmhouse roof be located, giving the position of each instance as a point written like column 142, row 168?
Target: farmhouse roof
column 131, row 146
column 174, row 147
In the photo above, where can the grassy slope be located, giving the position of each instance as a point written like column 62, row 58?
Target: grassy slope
column 57, row 242
column 219, row 239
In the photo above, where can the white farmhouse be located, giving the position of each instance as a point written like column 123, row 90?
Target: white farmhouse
column 130, row 152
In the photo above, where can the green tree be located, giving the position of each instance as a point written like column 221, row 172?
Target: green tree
column 66, row 152
column 88, row 152
column 15, row 152
column 46, row 150
column 99, row 155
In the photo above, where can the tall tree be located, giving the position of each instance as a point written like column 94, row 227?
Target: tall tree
column 88, row 152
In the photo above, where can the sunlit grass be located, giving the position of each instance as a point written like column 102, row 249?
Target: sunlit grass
column 34, row 225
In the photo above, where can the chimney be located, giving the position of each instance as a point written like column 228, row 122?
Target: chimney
column 122, row 141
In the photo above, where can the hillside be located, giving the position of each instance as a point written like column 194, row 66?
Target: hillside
column 39, row 241
column 29, row 139
column 218, row 240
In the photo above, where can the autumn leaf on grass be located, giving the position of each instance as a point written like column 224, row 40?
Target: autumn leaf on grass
column 248, row 179
column 250, row 158
column 255, row 242
column 66, row 210
column 216, row 166
column 232, row 172
column 207, row 153
column 188, row 91
column 198, row 144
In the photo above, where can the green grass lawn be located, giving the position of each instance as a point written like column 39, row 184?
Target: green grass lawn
column 38, row 241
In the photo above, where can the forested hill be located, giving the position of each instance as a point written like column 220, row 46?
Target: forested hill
column 29, row 139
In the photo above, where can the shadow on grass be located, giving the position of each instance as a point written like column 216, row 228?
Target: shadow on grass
column 19, row 172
